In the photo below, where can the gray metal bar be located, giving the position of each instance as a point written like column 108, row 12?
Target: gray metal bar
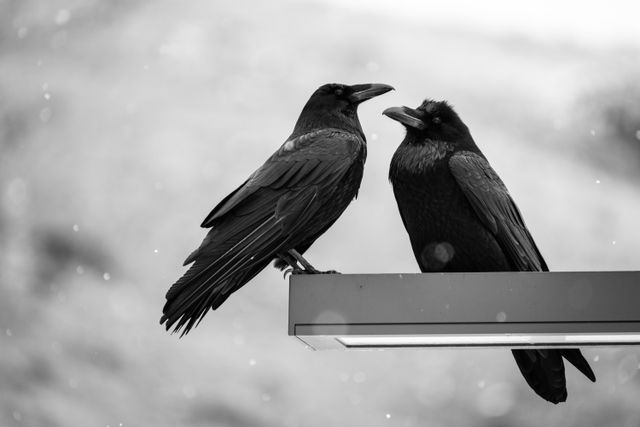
column 464, row 303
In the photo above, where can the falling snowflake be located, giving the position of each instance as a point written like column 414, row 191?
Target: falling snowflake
column 189, row 391
column 628, row 368
column 45, row 115
column 359, row 377
column 496, row 400
column 62, row 17
column 372, row 67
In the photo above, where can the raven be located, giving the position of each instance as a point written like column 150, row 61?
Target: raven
column 461, row 218
column 282, row 208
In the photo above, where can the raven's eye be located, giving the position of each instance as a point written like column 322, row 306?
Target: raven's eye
column 436, row 120
column 338, row 92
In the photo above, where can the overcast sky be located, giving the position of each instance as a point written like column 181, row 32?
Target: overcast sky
column 594, row 23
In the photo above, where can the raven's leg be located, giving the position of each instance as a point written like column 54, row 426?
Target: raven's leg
column 294, row 268
column 308, row 268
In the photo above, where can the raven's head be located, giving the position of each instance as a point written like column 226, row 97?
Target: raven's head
column 431, row 121
column 336, row 105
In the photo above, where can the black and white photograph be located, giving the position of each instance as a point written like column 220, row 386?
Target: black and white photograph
column 312, row 213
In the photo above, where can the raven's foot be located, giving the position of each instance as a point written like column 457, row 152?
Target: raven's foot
column 314, row 271
column 294, row 271
column 299, row 265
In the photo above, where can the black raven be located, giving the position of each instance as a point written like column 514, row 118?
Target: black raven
column 282, row 208
column 461, row 218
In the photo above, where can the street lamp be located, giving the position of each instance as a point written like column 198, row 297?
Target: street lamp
column 504, row 309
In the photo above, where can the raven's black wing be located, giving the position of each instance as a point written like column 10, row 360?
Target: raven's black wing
column 275, row 209
column 490, row 200
column 311, row 157
column 493, row 205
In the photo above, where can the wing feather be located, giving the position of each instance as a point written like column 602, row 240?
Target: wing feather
column 291, row 166
column 266, row 215
column 495, row 208
column 542, row 369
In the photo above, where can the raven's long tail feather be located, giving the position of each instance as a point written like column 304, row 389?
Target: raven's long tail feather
column 544, row 371
column 212, row 278
column 576, row 358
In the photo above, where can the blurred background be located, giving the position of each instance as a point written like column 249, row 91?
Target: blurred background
column 122, row 123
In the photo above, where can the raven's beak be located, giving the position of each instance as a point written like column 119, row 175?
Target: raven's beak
column 367, row 91
column 407, row 116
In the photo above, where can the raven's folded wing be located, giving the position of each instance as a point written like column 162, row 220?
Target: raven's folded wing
column 268, row 214
column 491, row 201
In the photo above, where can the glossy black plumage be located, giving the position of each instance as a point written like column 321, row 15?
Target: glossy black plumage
column 283, row 207
column 461, row 218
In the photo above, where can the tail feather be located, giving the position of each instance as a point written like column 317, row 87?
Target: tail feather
column 209, row 282
column 544, row 372
column 576, row 358
column 204, row 263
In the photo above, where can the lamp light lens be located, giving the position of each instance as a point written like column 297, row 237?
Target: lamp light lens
column 501, row 340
